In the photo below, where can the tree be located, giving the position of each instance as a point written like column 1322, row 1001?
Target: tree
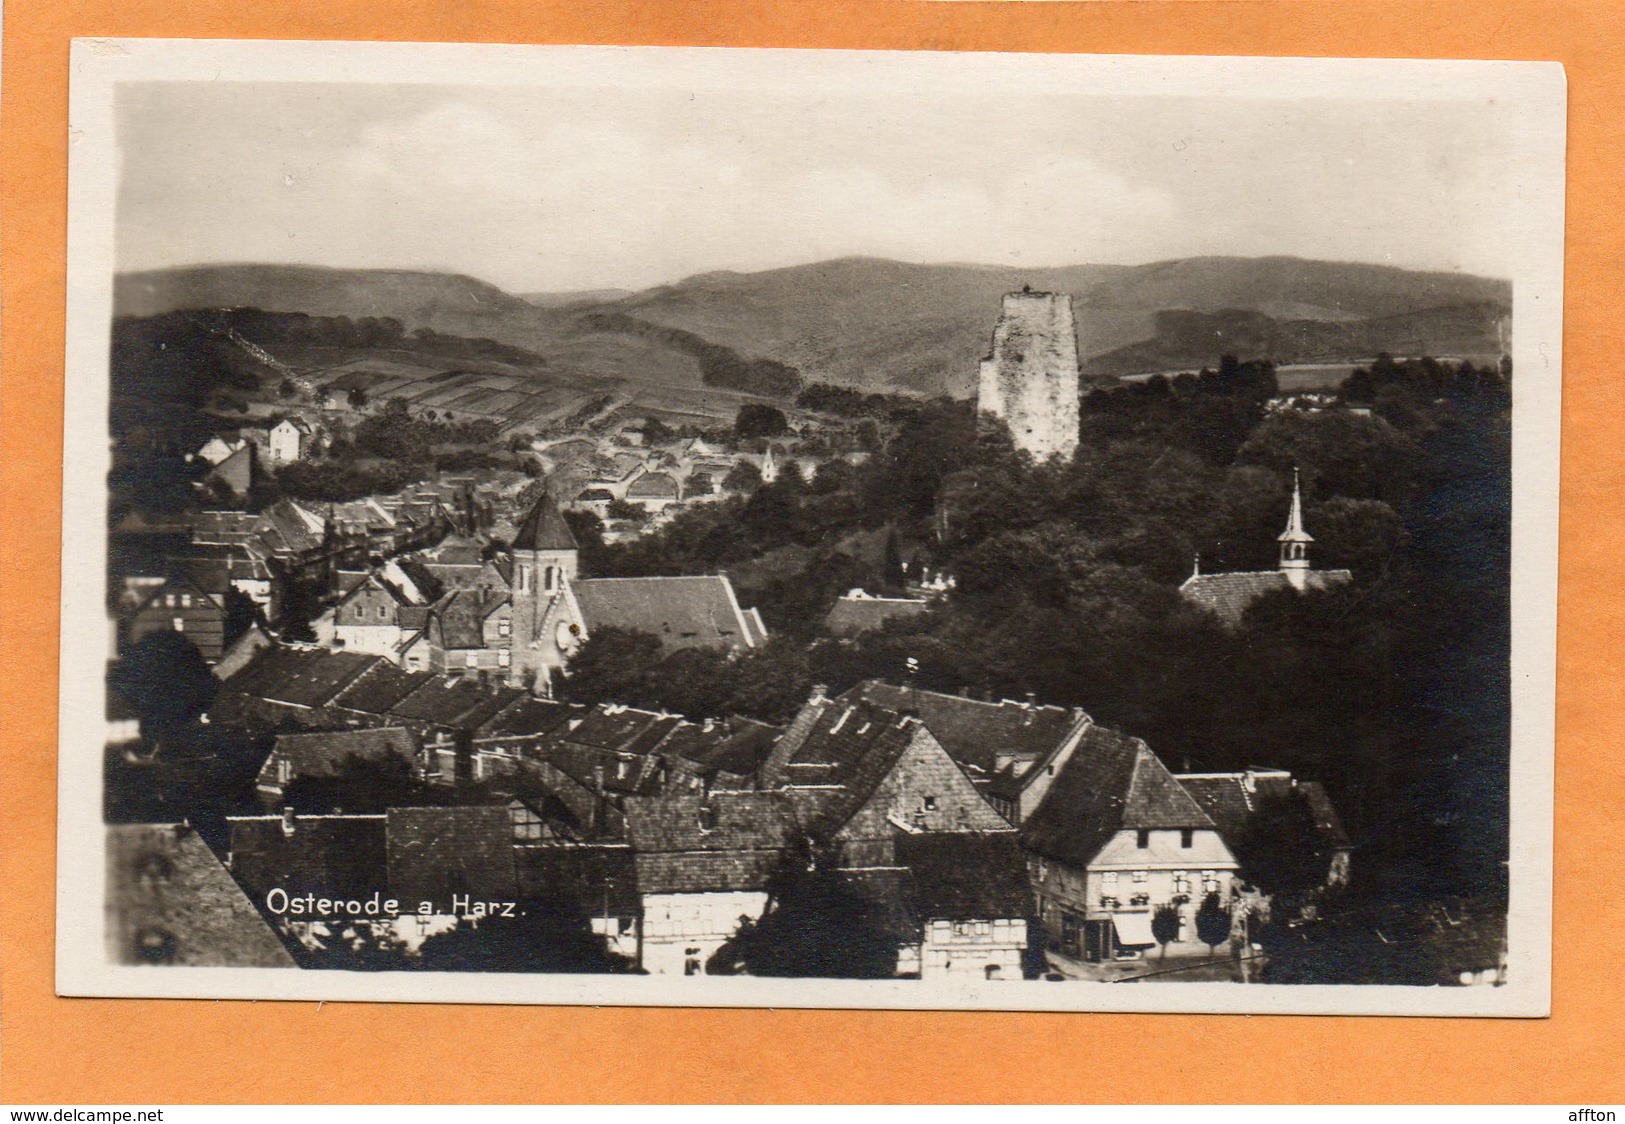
column 1213, row 921
column 817, row 925
column 166, row 680
column 742, row 477
column 611, row 666
column 357, row 398
column 287, row 389
column 626, row 509
column 1165, row 925
column 894, row 577
column 700, row 484
column 758, row 420
column 542, row 937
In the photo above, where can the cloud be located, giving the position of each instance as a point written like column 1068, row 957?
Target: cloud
column 647, row 203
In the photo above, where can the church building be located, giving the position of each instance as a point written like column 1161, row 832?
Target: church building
column 1229, row 596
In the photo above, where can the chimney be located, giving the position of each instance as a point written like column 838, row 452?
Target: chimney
column 819, row 693
column 288, row 820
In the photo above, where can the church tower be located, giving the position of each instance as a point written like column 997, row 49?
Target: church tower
column 1295, row 541
column 545, row 561
column 1030, row 378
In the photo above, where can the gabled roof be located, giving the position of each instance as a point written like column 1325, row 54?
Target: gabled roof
column 462, row 614
column 977, row 733
column 544, row 528
column 1229, row 596
column 326, row 754
column 164, row 884
column 734, row 821
column 684, row 612
column 652, row 485
column 380, row 688
column 529, row 716
column 966, row 876
column 317, row 682
column 1111, row 783
column 685, row 842
column 737, row 747
column 463, row 705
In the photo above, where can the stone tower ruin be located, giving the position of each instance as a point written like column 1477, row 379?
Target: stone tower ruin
column 1030, row 379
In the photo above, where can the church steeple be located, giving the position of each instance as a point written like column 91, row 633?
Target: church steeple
column 1295, row 540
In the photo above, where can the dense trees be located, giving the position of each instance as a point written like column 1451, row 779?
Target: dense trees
column 756, row 420
column 1068, row 582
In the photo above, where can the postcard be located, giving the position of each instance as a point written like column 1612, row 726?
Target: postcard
column 725, row 527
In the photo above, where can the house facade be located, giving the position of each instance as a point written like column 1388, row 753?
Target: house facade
column 1115, row 840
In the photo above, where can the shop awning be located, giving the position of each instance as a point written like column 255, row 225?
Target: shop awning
column 1133, row 929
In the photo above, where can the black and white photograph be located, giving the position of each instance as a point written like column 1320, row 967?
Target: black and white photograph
column 671, row 526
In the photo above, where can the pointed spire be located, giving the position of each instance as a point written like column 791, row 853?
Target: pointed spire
column 544, row 528
column 1294, row 521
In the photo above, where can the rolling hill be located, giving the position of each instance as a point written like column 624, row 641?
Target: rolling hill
column 885, row 325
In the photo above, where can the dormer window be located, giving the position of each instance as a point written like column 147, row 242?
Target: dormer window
column 708, row 818
column 1186, row 837
column 1142, row 839
column 928, row 804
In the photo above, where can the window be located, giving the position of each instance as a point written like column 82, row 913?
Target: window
column 929, row 804
column 1142, row 839
column 981, row 928
column 503, row 658
column 1141, row 877
column 382, row 612
column 504, row 628
column 186, row 600
column 180, row 625
column 620, row 770
column 1109, row 880
column 1186, row 835
column 1182, row 883
column 962, row 928
column 471, row 658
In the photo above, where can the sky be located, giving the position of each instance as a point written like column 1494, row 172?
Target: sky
column 556, row 190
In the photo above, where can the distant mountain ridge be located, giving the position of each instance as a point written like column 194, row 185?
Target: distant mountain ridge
column 887, row 325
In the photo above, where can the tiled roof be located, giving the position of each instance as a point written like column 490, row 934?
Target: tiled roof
column 1231, row 800
column 529, row 716
column 684, row 612
column 1111, row 783
column 380, row 689
column 737, row 747
column 852, row 615
column 594, row 878
column 652, row 485
column 213, row 567
column 852, row 746
column 167, row 894
column 731, row 821
column 456, row 550
column 544, row 528
column 316, row 682
column 462, row 614
column 329, row 856
column 464, row 704
column 966, row 876
column 1229, row 596
column 438, row 853
column 326, row 754
column 977, row 733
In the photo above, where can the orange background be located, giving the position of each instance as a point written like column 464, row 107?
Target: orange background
column 69, row 1051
